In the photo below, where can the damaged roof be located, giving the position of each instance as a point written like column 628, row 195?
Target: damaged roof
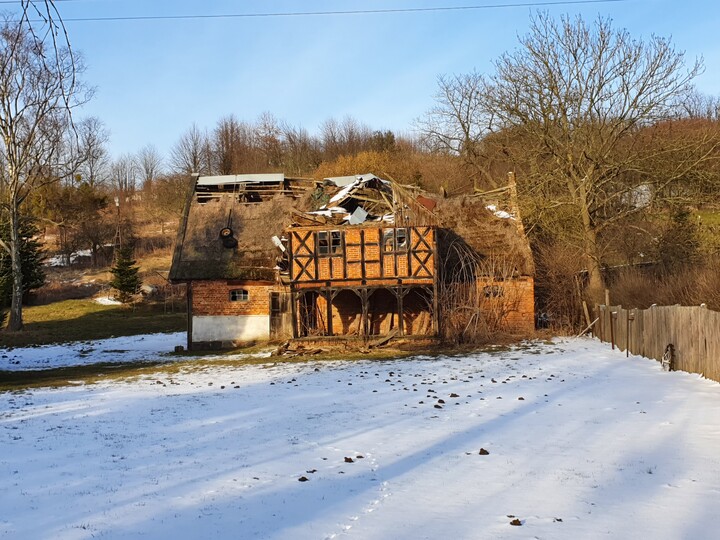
column 254, row 208
column 248, row 251
column 486, row 229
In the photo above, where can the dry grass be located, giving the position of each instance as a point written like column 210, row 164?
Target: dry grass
column 689, row 285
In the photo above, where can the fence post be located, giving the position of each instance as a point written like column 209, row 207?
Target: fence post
column 630, row 318
column 613, row 318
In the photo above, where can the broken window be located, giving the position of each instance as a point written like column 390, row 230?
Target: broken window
column 329, row 243
column 395, row 240
column 239, row 295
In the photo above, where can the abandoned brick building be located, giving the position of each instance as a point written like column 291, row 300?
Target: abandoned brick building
column 270, row 257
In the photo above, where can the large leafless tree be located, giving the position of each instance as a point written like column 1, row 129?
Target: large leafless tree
column 92, row 138
column 38, row 90
column 580, row 101
column 192, row 153
column 149, row 164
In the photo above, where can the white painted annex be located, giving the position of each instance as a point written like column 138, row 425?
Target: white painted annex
column 230, row 327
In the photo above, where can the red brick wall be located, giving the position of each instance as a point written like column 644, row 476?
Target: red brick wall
column 518, row 302
column 213, row 298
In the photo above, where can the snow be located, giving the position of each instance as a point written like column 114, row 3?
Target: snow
column 107, row 301
column 148, row 347
column 502, row 214
column 328, row 212
column 600, row 446
column 344, row 192
column 61, row 260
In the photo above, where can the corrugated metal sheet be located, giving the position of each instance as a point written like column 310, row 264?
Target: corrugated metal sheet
column 240, row 179
column 342, row 181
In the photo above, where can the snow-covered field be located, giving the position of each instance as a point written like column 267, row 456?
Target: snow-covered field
column 120, row 349
column 581, row 442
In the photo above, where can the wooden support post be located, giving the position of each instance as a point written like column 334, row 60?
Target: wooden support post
column 293, row 314
column 613, row 318
column 362, row 255
column 188, row 297
column 607, row 297
column 327, row 293
column 364, row 317
column 436, row 278
column 400, row 310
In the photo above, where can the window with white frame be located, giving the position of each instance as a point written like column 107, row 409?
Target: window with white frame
column 239, row 295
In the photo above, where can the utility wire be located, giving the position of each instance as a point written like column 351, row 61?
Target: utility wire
column 326, row 13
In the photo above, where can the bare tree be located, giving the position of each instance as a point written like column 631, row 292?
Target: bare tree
column 93, row 154
column 302, row 152
column 699, row 105
column 459, row 124
column 166, row 199
column 235, row 147
column 38, row 90
column 268, row 134
column 576, row 95
column 347, row 137
column 192, row 153
column 124, row 174
column 227, row 140
column 148, row 163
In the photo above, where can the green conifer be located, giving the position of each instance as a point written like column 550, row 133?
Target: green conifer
column 32, row 257
column 126, row 280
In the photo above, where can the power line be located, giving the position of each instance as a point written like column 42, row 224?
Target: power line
column 326, row 13
column 54, row 1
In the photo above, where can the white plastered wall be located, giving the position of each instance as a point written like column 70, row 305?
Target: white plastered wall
column 230, row 327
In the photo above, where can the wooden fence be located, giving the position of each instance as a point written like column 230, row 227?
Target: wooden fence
column 694, row 333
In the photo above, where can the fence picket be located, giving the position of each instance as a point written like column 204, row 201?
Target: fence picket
column 693, row 331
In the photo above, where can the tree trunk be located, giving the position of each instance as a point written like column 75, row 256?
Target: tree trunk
column 596, row 282
column 15, row 323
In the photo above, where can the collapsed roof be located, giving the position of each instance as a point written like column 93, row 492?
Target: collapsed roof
column 232, row 225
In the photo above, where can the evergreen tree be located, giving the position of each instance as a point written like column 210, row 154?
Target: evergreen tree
column 126, row 280
column 32, row 258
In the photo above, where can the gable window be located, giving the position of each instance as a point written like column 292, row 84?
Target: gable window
column 329, row 243
column 239, row 295
column 395, row 240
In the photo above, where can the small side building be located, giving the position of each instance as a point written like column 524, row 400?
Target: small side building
column 229, row 253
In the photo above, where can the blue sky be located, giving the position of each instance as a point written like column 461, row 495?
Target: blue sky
column 155, row 78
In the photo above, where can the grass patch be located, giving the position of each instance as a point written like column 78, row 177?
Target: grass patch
column 164, row 368
column 72, row 375
column 80, row 320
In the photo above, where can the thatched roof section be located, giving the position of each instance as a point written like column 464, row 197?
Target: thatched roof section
column 200, row 252
column 482, row 230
